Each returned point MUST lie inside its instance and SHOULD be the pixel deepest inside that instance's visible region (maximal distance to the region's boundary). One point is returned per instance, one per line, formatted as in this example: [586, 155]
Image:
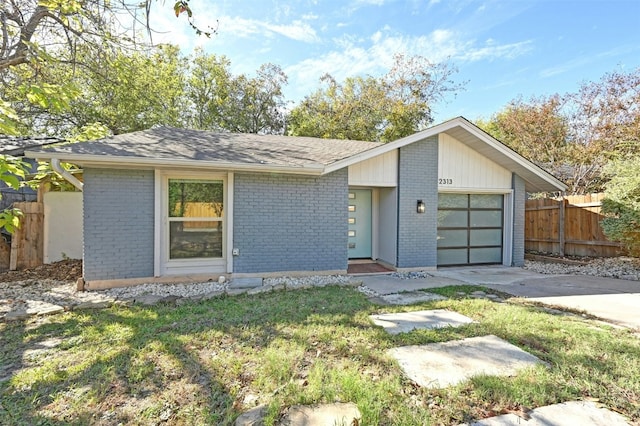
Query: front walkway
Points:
[612, 300]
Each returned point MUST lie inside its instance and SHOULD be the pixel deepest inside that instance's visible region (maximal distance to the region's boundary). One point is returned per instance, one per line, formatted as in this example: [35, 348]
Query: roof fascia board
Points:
[115, 162]
[390, 146]
[503, 149]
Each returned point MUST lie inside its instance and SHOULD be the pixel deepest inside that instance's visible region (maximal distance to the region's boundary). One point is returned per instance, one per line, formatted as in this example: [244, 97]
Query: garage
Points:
[470, 229]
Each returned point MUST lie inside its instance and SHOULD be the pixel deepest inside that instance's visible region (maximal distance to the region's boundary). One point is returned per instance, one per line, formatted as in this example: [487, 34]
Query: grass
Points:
[207, 362]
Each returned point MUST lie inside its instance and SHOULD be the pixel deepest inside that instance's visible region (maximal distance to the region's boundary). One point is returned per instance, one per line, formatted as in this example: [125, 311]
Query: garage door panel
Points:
[485, 201]
[453, 219]
[485, 255]
[482, 218]
[452, 256]
[452, 238]
[453, 201]
[485, 237]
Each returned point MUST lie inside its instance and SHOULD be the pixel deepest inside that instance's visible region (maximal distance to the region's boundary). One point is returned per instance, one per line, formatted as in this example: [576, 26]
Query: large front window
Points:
[196, 211]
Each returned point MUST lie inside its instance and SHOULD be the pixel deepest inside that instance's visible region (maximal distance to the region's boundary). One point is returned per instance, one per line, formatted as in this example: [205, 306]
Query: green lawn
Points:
[207, 362]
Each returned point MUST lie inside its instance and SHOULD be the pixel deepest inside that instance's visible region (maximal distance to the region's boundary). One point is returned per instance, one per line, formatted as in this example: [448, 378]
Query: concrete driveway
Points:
[613, 300]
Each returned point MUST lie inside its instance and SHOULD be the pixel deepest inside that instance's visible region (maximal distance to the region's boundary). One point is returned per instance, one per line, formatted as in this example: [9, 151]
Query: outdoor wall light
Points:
[421, 206]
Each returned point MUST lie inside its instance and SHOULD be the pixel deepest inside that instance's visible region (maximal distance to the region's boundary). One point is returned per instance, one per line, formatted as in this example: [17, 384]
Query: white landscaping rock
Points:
[626, 268]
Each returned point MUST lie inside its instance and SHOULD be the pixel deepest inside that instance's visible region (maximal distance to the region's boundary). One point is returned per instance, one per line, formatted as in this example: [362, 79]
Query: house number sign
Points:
[445, 181]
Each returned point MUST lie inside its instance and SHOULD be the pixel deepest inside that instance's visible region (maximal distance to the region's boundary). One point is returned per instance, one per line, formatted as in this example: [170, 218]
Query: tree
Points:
[127, 92]
[621, 206]
[12, 170]
[40, 33]
[538, 130]
[352, 110]
[574, 135]
[219, 100]
[31, 29]
[535, 129]
[605, 114]
[376, 109]
[207, 90]
[255, 105]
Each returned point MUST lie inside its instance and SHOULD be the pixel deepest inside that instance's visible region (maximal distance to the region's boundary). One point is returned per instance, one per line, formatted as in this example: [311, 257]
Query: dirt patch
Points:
[555, 258]
[65, 270]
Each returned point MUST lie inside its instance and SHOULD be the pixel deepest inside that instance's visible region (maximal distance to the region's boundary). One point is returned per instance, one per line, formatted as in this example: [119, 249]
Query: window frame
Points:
[200, 265]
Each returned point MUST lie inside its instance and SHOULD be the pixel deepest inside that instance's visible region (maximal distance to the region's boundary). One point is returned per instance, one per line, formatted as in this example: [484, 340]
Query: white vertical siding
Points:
[460, 167]
[378, 171]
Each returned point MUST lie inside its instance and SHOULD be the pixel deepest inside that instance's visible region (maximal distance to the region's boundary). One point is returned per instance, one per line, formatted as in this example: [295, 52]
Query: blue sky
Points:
[502, 48]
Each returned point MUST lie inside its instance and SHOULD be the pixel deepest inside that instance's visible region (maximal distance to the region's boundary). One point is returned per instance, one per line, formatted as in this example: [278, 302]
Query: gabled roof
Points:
[536, 179]
[173, 147]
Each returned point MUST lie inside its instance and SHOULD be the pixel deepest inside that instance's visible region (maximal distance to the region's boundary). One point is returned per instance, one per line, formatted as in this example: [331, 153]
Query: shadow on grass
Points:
[140, 365]
[199, 363]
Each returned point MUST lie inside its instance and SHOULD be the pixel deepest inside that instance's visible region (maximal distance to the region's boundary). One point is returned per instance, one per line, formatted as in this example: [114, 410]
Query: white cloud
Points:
[490, 51]
[351, 55]
[243, 28]
[297, 30]
[369, 2]
[583, 60]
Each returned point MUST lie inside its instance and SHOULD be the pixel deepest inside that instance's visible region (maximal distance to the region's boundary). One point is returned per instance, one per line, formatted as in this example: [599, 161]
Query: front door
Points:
[359, 223]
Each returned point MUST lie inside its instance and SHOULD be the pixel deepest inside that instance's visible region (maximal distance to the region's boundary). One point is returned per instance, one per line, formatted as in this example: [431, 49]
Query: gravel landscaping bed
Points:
[626, 268]
[54, 285]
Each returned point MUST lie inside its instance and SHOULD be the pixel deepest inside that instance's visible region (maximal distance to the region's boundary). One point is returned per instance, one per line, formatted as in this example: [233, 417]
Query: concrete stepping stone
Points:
[410, 297]
[253, 417]
[583, 413]
[404, 322]
[33, 307]
[337, 414]
[245, 283]
[438, 365]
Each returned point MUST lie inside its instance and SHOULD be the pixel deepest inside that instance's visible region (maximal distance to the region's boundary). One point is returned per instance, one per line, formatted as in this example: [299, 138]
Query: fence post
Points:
[561, 224]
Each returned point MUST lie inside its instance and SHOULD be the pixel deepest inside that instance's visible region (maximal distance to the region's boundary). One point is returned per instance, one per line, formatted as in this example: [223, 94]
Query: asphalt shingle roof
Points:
[17, 145]
[185, 144]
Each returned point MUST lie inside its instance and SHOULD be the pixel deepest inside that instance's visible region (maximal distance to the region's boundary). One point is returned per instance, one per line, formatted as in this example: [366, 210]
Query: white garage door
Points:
[470, 228]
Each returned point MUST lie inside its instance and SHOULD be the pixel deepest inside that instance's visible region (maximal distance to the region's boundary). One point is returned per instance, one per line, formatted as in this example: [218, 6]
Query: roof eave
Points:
[152, 163]
[383, 149]
[550, 183]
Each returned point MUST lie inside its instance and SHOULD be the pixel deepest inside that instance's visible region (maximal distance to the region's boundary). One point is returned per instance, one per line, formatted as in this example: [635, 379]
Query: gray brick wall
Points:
[519, 197]
[118, 223]
[290, 223]
[418, 180]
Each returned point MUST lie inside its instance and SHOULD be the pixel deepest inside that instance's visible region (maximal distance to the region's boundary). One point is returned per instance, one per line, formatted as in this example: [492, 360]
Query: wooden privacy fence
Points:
[568, 226]
[27, 243]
